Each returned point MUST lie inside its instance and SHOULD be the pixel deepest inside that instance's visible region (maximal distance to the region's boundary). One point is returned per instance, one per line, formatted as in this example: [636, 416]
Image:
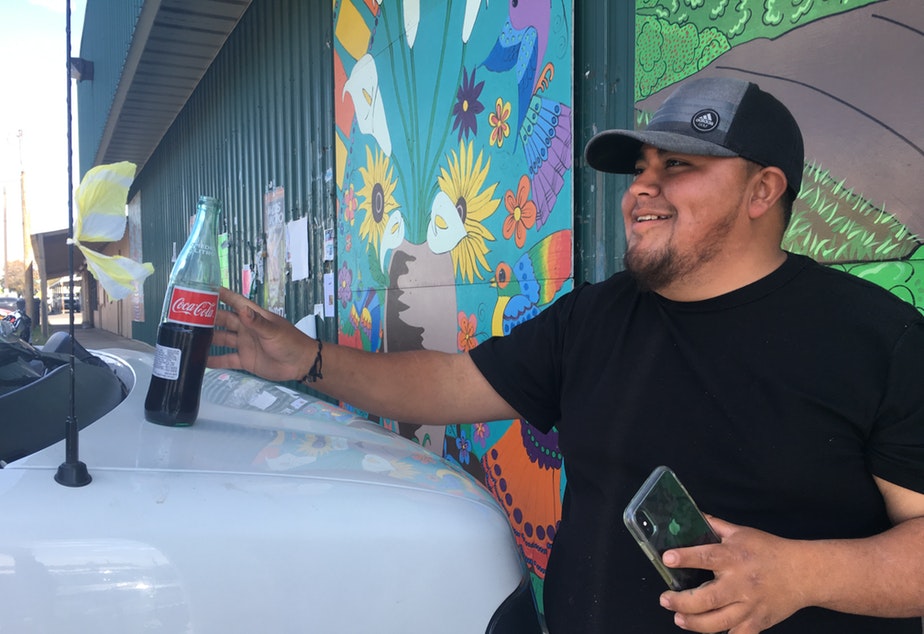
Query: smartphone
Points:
[662, 516]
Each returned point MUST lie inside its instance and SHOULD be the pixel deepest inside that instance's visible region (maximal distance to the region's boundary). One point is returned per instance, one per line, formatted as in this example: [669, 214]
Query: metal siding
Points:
[107, 35]
[263, 112]
[604, 63]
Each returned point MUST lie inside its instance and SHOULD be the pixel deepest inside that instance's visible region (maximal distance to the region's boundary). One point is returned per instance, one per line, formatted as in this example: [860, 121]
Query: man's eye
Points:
[672, 162]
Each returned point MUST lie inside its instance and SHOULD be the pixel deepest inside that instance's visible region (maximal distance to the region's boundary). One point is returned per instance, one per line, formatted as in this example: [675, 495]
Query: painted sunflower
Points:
[464, 184]
[378, 197]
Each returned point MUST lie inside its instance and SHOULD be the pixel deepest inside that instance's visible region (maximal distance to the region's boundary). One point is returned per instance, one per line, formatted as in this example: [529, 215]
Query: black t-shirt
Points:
[773, 404]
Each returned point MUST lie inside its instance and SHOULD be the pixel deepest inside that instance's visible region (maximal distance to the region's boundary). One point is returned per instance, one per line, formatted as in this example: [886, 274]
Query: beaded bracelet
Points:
[315, 372]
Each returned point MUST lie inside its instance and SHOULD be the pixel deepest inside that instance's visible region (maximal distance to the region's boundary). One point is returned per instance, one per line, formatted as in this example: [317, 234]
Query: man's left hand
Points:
[756, 582]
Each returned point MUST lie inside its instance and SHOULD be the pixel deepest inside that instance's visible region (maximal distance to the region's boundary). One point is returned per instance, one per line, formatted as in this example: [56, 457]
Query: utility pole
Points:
[28, 284]
[6, 243]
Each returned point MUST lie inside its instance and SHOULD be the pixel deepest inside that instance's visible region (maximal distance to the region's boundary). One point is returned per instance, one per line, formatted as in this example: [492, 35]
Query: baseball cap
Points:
[710, 116]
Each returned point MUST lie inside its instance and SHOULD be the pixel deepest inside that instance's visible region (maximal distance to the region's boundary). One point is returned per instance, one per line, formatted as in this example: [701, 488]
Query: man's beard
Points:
[653, 271]
[657, 270]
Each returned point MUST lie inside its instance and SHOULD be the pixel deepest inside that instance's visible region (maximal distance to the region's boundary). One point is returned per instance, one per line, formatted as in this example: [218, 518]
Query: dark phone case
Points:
[661, 516]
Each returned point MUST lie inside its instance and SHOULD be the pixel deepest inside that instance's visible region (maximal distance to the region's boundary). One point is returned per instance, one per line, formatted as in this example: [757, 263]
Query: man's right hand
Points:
[263, 343]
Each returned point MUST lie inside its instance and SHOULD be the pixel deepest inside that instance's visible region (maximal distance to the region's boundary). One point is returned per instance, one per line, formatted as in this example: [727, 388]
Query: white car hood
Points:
[273, 512]
[249, 426]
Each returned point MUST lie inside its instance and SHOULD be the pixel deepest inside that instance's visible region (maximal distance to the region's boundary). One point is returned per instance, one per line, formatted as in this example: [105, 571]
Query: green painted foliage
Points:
[903, 278]
[677, 38]
[832, 224]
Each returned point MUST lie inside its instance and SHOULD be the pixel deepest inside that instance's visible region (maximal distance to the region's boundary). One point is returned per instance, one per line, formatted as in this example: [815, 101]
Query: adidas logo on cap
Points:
[705, 120]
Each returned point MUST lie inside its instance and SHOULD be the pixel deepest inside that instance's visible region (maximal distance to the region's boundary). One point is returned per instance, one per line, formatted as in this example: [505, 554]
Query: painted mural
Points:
[454, 174]
[849, 71]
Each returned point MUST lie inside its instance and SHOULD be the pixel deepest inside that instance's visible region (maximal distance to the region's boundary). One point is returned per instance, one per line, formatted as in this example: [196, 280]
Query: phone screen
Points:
[662, 516]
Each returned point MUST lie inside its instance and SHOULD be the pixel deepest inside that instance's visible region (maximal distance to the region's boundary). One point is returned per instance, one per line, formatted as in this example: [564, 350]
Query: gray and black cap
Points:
[712, 116]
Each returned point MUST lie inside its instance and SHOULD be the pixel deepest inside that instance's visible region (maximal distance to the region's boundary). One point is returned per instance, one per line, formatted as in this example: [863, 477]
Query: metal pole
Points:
[6, 243]
[71, 472]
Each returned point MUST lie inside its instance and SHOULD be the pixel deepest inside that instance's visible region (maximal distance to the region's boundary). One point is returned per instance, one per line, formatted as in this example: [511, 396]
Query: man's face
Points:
[681, 212]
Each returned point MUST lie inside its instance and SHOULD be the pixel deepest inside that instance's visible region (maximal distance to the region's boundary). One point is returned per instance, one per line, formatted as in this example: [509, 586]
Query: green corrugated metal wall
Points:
[263, 113]
[604, 97]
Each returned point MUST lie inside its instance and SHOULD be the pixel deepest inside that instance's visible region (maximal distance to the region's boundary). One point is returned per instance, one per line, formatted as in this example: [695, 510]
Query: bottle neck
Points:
[204, 226]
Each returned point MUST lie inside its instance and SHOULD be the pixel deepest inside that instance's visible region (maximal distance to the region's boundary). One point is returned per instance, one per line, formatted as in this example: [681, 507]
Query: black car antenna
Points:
[72, 472]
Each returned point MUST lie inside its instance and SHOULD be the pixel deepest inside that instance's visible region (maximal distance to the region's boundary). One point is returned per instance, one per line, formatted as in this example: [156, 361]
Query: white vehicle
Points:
[275, 512]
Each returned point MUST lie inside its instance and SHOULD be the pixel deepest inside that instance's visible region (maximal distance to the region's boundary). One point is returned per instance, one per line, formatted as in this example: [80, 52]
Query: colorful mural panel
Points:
[454, 174]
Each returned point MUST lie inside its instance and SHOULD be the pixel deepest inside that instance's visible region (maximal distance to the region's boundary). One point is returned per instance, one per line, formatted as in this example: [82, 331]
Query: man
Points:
[785, 395]
[20, 321]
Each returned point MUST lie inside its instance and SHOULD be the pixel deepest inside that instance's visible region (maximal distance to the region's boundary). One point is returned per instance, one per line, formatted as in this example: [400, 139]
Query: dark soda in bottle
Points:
[187, 323]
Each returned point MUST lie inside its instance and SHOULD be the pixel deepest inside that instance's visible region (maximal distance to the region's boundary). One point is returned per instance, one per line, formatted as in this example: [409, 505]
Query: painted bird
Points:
[543, 125]
[532, 282]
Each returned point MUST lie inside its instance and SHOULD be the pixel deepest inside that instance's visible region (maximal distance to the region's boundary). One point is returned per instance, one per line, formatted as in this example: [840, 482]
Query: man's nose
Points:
[646, 182]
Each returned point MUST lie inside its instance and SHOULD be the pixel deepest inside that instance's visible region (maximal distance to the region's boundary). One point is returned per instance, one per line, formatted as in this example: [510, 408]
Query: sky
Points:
[33, 54]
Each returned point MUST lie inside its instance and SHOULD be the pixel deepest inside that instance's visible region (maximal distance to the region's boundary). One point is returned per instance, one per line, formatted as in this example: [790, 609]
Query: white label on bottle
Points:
[167, 362]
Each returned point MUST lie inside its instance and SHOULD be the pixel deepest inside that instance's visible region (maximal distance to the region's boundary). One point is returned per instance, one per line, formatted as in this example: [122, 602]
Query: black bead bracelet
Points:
[315, 372]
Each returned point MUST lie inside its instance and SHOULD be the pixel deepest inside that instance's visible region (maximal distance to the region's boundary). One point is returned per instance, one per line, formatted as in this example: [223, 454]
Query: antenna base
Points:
[73, 474]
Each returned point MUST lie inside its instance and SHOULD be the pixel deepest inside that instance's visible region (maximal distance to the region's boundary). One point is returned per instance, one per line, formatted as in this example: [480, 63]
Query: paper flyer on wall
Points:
[297, 242]
[274, 224]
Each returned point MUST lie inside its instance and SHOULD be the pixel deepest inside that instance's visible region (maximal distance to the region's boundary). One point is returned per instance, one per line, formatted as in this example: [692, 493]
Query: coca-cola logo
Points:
[196, 308]
[202, 310]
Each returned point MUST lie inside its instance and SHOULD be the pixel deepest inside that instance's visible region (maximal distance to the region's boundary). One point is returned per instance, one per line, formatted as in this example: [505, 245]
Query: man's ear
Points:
[769, 185]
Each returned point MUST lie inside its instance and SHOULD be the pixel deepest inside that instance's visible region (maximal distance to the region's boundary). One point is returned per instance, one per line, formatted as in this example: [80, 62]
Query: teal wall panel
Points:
[107, 36]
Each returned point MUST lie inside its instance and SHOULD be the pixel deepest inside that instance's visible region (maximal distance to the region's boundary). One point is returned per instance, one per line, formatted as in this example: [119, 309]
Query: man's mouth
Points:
[650, 217]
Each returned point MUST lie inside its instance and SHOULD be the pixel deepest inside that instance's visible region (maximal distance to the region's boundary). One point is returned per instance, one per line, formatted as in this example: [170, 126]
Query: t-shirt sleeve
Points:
[897, 443]
[525, 366]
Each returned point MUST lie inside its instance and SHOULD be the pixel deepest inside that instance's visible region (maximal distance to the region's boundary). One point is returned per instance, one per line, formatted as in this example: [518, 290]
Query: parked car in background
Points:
[66, 302]
[7, 306]
[274, 512]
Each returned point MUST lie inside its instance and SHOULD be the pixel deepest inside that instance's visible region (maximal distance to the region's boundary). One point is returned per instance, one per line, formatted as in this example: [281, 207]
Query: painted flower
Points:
[345, 280]
[521, 212]
[467, 327]
[481, 431]
[464, 446]
[467, 106]
[464, 183]
[500, 129]
[404, 471]
[319, 445]
[392, 236]
[378, 197]
[471, 12]
[363, 86]
[350, 204]
[411, 20]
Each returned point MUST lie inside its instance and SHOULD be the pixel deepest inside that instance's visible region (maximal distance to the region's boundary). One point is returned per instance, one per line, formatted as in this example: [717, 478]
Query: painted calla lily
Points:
[363, 86]
[445, 229]
[392, 236]
[471, 12]
[411, 20]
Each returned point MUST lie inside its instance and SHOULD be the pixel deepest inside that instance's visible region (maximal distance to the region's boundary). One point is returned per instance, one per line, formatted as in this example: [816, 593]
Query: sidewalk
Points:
[95, 338]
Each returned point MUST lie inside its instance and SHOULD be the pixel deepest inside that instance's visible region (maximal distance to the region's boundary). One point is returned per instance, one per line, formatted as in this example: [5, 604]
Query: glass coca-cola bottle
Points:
[187, 323]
